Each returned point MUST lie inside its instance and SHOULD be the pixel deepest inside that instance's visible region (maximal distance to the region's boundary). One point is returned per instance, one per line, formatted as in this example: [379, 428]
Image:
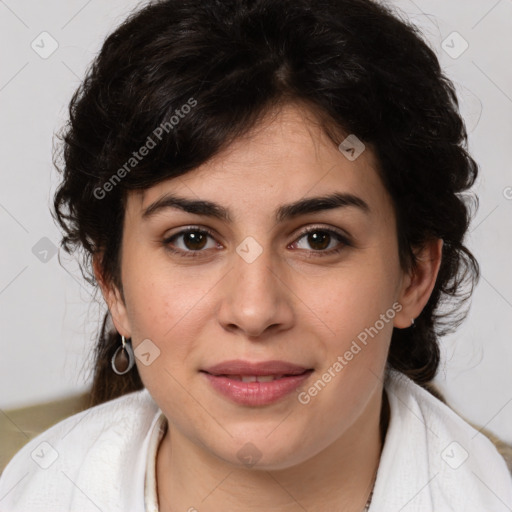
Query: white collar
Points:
[150, 484]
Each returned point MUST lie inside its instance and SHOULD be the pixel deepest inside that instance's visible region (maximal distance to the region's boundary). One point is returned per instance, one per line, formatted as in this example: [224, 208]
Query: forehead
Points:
[286, 156]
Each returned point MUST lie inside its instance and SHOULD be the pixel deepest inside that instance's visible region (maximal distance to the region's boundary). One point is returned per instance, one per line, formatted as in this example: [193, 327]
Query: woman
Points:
[268, 194]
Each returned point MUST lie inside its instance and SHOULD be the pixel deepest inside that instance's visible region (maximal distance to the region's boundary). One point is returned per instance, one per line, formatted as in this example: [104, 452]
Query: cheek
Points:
[159, 297]
[349, 300]
[169, 308]
[356, 309]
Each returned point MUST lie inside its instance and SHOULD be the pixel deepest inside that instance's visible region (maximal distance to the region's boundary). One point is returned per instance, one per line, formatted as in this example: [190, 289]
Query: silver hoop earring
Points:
[123, 359]
[412, 322]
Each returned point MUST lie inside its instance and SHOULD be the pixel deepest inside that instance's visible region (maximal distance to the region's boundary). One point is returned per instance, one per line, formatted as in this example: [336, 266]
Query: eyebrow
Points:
[283, 213]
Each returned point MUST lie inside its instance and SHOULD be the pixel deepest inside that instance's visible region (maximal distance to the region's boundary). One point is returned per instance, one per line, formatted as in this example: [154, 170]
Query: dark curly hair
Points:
[358, 66]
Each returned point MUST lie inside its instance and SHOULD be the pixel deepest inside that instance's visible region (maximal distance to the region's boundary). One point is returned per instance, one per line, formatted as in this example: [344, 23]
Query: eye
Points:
[323, 241]
[191, 241]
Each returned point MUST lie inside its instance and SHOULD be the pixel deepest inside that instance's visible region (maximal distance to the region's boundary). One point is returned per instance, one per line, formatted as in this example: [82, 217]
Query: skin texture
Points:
[291, 303]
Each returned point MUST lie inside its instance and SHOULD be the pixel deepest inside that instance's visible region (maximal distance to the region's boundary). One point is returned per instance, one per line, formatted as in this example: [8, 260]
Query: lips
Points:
[256, 384]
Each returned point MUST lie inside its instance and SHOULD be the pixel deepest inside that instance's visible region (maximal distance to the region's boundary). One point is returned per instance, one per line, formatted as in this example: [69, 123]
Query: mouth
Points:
[256, 384]
[238, 367]
[255, 378]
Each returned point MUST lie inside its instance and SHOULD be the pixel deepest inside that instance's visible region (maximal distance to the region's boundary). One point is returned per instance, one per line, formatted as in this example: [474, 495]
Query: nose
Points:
[256, 299]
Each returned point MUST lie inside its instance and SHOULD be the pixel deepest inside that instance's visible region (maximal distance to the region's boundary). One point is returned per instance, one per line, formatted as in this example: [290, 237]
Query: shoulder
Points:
[439, 419]
[441, 423]
[461, 465]
[84, 450]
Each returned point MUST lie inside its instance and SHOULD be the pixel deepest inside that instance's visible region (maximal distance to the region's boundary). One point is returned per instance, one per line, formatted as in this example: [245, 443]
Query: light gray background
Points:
[48, 325]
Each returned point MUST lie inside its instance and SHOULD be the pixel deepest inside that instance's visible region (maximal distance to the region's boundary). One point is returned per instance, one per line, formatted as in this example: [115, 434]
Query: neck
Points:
[339, 477]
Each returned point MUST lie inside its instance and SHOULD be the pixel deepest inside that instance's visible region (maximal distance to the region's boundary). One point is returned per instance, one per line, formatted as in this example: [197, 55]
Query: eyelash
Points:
[345, 242]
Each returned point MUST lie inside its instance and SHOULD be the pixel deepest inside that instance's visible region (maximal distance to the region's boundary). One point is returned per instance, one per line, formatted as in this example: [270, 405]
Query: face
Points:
[307, 295]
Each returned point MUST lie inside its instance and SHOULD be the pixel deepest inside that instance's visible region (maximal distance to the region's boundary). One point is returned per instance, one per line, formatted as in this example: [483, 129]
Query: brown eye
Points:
[319, 240]
[322, 241]
[189, 242]
[194, 240]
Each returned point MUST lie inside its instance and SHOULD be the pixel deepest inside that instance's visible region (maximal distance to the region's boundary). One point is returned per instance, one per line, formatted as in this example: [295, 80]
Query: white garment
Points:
[432, 460]
[150, 484]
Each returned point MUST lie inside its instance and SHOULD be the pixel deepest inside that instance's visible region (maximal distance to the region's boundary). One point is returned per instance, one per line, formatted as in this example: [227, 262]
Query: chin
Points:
[257, 453]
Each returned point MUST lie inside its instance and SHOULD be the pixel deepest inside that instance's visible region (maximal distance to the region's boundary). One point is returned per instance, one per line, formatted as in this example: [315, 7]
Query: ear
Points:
[419, 283]
[113, 298]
